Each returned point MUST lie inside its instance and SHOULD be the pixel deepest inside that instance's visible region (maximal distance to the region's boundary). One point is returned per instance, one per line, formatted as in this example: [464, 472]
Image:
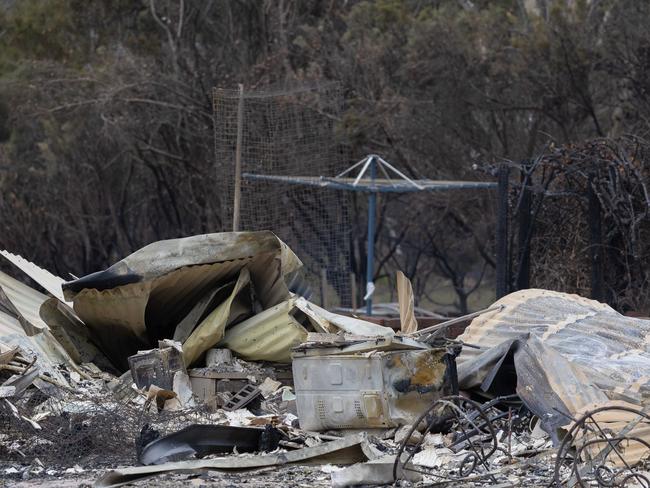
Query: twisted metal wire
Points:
[574, 452]
[472, 420]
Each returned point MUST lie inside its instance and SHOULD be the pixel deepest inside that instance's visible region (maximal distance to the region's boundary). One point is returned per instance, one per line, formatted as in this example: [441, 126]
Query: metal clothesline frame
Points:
[372, 186]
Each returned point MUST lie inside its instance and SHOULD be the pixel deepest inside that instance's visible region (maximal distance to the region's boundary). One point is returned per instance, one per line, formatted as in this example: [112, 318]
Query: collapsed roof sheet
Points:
[143, 297]
[267, 336]
[44, 278]
[162, 257]
[351, 325]
[568, 352]
[22, 326]
[23, 302]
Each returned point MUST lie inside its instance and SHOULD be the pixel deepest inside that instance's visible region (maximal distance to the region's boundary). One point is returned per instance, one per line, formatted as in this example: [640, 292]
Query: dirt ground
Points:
[277, 477]
[287, 476]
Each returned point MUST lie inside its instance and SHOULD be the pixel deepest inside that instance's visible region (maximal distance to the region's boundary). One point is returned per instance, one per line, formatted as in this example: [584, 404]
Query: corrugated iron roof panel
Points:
[568, 352]
[44, 278]
[25, 299]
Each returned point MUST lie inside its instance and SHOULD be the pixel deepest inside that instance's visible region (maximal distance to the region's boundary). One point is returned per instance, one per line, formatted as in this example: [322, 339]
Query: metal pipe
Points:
[372, 211]
[355, 165]
[369, 160]
[455, 320]
[402, 175]
[382, 185]
[502, 255]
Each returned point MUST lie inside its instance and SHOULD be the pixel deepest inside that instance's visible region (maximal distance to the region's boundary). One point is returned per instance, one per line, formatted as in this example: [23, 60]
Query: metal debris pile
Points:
[500, 443]
[201, 354]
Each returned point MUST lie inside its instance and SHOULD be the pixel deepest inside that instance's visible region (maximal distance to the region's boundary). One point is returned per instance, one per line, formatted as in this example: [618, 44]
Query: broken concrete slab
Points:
[213, 386]
[242, 398]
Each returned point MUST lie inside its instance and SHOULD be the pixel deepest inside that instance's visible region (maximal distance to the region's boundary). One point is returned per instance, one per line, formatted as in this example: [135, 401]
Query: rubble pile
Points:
[194, 355]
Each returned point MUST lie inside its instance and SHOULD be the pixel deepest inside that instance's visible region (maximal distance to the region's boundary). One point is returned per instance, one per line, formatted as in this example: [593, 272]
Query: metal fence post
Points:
[502, 272]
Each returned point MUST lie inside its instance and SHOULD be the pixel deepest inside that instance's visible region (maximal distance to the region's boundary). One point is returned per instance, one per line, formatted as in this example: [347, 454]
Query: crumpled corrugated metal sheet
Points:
[350, 449]
[568, 352]
[212, 329]
[9, 325]
[270, 335]
[162, 257]
[44, 346]
[39, 313]
[44, 278]
[23, 302]
[332, 322]
[21, 325]
[267, 336]
[143, 297]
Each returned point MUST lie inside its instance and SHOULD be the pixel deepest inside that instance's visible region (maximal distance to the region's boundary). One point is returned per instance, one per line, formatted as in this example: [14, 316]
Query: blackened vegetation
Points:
[581, 217]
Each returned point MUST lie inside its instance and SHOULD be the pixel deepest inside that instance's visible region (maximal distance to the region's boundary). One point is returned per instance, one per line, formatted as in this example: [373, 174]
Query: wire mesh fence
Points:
[289, 131]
